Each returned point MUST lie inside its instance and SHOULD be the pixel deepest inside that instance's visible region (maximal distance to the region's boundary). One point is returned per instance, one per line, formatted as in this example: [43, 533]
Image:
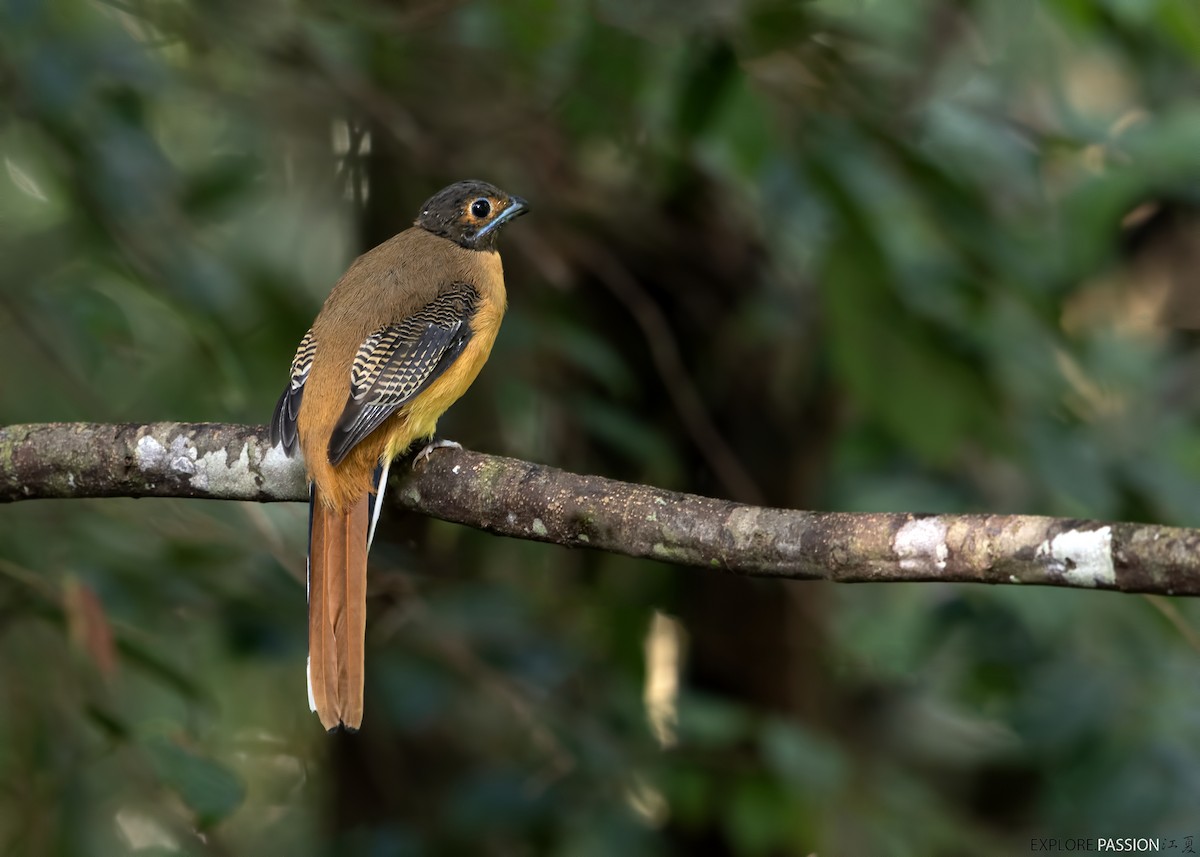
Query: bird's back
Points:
[387, 285]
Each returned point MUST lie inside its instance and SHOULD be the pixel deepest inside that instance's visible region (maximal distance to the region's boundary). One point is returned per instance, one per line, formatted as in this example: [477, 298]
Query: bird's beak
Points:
[516, 207]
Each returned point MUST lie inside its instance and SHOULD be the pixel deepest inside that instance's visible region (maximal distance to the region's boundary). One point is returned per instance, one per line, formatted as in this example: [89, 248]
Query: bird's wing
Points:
[401, 359]
[283, 422]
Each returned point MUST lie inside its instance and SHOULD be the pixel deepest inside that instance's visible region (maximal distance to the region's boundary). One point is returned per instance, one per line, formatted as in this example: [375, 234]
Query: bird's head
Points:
[470, 213]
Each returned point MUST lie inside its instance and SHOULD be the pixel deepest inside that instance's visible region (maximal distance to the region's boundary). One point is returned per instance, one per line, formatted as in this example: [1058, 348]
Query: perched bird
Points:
[401, 336]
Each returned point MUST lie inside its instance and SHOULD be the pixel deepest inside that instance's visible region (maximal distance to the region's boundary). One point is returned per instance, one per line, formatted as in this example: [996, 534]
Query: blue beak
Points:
[516, 207]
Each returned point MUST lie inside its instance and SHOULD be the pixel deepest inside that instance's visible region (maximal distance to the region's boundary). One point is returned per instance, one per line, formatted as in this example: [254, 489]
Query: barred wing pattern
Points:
[401, 359]
[283, 422]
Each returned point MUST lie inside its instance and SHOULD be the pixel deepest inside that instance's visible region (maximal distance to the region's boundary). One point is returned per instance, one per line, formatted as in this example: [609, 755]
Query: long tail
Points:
[337, 610]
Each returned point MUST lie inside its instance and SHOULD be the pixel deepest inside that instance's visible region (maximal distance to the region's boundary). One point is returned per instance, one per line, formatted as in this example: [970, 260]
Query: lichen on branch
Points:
[524, 500]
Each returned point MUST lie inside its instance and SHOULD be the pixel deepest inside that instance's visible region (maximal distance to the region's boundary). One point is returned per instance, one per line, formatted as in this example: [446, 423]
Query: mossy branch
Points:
[524, 500]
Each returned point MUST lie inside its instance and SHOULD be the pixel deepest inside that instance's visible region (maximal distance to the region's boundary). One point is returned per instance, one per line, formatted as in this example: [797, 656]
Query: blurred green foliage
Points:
[851, 254]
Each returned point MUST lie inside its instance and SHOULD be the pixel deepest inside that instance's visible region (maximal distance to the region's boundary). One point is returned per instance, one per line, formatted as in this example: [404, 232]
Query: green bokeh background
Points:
[936, 255]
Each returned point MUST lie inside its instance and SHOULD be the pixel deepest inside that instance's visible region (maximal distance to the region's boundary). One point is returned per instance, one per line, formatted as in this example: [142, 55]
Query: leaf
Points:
[801, 759]
[760, 818]
[906, 373]
[88, 626]
[208, 788]
[708, 721]
[24, 181]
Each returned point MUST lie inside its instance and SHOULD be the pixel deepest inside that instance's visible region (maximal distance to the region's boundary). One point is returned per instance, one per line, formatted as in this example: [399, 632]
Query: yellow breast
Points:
[419, 418]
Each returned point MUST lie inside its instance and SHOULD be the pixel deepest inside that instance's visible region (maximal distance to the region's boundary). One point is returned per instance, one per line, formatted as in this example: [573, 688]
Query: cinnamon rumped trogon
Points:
[402, 335]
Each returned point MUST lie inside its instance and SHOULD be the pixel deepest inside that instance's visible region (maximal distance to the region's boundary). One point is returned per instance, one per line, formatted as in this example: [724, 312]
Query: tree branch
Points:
[530, 501]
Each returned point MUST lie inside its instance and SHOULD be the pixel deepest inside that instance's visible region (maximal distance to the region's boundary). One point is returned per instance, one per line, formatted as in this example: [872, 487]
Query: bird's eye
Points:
[481, 208]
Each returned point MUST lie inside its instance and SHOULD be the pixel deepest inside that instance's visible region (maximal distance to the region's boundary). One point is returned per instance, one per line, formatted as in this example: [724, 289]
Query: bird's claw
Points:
[431, 446]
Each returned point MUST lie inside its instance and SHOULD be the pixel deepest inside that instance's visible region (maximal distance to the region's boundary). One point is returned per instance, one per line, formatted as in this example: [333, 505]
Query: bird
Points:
[402, 335]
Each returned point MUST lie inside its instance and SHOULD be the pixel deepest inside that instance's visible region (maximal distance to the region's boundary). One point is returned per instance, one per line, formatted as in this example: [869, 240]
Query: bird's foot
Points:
[438, 443]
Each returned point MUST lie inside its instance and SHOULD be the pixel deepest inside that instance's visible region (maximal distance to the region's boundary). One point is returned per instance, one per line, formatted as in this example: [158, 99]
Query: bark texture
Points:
[530, 501]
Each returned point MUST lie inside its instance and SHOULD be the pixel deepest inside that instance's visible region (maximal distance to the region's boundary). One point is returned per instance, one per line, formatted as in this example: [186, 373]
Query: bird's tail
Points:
[337, 609]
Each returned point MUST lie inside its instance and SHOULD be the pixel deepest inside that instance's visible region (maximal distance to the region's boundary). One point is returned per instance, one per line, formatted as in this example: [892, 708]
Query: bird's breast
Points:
[419, 417]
